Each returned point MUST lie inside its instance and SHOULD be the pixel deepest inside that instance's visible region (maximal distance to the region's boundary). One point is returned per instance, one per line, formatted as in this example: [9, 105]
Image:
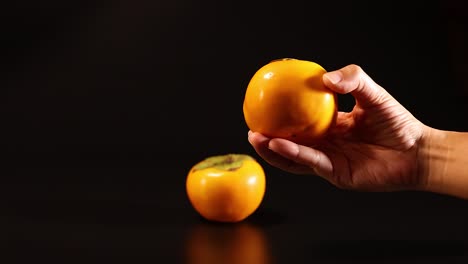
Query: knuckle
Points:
[355, 77]
[313, 159]
[317, 159]
[356, 69]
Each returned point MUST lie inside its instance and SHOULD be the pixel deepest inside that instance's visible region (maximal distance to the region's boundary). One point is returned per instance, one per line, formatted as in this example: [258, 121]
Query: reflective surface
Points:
[210, 243]
[126, 213]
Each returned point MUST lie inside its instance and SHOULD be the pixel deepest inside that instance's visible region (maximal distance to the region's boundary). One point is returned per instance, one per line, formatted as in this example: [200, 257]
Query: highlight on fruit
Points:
[286, 98]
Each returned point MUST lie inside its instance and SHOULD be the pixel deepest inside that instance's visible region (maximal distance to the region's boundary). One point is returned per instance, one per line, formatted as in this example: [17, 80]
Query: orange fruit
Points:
[287, 99]
[226, 188]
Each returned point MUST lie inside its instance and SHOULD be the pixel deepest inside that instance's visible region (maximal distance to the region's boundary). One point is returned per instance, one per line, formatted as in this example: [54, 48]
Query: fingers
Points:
[352, 79]
[261, 145]
[290, 156]
[300, 154]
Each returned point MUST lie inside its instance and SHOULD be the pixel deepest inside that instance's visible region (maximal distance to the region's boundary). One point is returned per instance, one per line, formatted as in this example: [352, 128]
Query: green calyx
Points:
[228, 162]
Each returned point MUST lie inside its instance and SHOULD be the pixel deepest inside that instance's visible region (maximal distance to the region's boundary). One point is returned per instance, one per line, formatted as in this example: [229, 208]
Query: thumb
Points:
[352, 79]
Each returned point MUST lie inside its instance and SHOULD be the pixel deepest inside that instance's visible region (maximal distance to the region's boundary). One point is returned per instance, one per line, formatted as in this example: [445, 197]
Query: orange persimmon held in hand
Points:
[287, 99]
[226, 188]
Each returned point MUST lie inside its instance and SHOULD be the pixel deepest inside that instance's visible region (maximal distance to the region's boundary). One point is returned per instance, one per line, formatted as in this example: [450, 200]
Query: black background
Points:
[106, 105]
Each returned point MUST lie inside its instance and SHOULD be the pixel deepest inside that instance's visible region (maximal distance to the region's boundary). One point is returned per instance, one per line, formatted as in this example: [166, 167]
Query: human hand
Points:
[372, 148]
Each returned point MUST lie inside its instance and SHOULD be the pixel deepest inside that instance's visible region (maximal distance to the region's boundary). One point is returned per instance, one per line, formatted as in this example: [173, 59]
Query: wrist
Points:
[443, 162]
[432, 159]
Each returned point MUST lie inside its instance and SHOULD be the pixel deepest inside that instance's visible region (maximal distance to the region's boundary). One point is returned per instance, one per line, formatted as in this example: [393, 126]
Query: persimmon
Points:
[287, 99]
[226, 188]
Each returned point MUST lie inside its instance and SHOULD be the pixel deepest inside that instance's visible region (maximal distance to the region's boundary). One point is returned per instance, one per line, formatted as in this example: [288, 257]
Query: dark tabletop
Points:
[140, 211]
[107, 105]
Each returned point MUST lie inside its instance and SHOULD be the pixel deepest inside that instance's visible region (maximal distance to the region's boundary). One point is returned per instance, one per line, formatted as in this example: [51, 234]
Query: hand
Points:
[372, 148]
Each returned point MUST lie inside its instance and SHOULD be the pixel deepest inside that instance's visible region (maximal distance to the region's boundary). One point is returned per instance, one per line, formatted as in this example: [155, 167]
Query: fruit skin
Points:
[229, 192]
[287, 99]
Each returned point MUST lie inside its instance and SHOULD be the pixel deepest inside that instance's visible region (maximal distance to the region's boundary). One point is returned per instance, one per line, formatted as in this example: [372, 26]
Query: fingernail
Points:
[249, 133]
[270, 143]
[334, 77]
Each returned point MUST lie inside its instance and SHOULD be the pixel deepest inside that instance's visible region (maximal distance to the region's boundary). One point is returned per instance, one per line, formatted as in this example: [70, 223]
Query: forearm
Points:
[443, 162]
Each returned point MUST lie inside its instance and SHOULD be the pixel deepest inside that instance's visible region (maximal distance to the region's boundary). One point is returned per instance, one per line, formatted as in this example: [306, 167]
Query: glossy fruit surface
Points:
[287, 99]
[226, 188]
